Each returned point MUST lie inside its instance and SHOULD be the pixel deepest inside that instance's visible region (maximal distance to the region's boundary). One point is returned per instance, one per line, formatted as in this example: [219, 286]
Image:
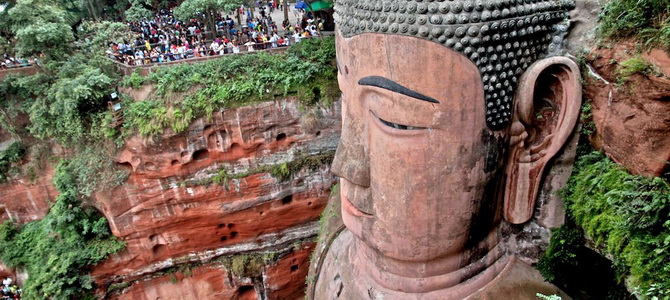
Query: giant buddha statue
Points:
[451, 111]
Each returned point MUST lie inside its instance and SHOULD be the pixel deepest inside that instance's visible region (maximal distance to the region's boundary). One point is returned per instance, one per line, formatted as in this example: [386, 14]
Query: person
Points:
[147, 57]
[154, 56]
[438, 155]
[166, 45]
[139, 57]
[181, 50]
[230, 48]
[221, 50]
[250, 45]
[274, 39]
[296, 36]
[214, 47]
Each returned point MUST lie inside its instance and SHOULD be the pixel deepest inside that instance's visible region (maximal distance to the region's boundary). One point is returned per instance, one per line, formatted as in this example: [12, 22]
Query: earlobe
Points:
[548, 100]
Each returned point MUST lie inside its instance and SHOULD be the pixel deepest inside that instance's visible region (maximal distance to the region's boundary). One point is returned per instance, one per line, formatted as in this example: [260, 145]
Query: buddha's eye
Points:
[399, 126]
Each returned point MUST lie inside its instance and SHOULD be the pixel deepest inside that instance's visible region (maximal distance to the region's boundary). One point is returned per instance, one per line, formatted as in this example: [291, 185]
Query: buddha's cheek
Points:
[418, 193]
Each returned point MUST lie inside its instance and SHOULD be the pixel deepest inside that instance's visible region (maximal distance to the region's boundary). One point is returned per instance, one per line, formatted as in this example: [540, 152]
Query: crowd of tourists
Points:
[165, 38]
[9, 62]
[10, 290]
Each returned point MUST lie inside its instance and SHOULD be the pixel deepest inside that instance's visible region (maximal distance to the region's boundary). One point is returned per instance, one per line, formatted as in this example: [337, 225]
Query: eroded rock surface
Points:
[249, 182]
[632, 115]
[213, 192]
[24, 201]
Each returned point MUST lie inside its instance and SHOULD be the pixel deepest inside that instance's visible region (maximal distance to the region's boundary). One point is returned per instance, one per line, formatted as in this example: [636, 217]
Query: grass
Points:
[633, 65]
[283, 171]
[249, 264]
[645, 20]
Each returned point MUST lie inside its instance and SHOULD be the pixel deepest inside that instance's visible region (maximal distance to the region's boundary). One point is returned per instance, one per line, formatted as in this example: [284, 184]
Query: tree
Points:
[205, 10]
[138, 10]
[41, 27]
[61, 99]
[58, 250]
[96, 36]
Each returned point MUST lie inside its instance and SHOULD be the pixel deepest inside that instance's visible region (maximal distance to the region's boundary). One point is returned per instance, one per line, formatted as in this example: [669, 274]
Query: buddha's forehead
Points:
[419, 64]
[500, 37]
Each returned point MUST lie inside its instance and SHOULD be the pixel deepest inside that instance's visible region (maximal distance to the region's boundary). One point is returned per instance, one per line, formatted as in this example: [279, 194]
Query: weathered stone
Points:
[24, 201]
[583, 24]
[285, 279]
[631, 116]
[423, 188]
[169, 211]
[171, 214]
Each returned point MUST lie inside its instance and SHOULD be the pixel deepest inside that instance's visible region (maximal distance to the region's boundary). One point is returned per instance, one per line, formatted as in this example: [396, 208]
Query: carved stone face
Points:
[418, 165]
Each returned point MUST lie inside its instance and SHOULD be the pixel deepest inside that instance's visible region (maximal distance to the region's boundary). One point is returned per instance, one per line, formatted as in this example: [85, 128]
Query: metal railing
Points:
[170, 57]
[146, 68]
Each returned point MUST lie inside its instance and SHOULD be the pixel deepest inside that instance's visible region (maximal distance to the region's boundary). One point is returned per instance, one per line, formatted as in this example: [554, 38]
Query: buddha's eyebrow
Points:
[388, 84]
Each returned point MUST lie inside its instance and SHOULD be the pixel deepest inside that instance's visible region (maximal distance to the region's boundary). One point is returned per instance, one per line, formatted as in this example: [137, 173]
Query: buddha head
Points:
[451, 112]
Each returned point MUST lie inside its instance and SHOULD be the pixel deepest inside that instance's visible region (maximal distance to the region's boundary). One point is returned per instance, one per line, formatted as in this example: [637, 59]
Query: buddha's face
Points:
[418, 165]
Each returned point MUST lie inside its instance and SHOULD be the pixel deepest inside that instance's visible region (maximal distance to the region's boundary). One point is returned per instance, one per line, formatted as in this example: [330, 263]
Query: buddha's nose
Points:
[351, 160]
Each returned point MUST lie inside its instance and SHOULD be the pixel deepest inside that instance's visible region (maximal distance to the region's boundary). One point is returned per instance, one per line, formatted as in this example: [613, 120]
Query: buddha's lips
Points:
[351, 209]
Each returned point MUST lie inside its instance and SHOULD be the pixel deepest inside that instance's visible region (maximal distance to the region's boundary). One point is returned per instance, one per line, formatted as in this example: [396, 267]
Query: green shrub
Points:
[57, 251]
[282, 171]
[628, 216]
[117, 286]
[561, 255]
[13, 154]
[632, 66]
[135, 80]
[249, 264]
[221, 177]
[586, 119]
[645, 19]
[549, 297]
[187, 91]
[92, 169]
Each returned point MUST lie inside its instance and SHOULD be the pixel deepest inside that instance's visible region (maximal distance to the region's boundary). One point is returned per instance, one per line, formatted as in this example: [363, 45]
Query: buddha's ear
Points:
[548, 100]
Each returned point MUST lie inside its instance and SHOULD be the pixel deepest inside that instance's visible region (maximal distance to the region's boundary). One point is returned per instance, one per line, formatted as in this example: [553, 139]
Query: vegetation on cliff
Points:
[282, 171]
[626, 217]
[58, 250]
[65, 104]
[66, 99]
[647, 20]
[13, 154]
[187, 91]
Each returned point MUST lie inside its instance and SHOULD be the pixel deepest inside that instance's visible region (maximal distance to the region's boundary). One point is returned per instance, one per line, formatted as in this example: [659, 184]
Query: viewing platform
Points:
[145, 69]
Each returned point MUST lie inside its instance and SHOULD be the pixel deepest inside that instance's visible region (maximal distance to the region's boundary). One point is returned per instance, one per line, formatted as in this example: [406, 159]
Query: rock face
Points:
[632, 116]
[227, 209]
[285, 280]
[24, 201]
[244, 183]
[583, 24]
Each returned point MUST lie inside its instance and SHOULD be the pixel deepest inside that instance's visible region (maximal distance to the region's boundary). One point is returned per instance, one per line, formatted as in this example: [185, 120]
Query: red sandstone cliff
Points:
[632, 115]
[24, 201]
[201, 214]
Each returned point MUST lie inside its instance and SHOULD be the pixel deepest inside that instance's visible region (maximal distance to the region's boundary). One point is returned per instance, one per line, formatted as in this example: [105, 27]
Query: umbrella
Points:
[301, 5]
[320, 5]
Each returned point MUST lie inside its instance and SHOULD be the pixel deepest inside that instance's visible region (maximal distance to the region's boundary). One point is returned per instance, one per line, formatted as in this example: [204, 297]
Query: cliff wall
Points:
[227, 209]
[629, 94]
